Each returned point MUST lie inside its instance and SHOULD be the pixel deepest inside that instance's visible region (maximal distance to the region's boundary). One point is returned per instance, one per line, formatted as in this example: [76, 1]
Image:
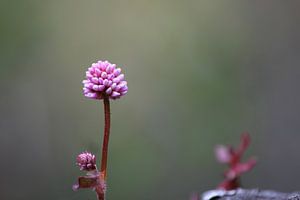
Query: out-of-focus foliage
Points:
[199, 73]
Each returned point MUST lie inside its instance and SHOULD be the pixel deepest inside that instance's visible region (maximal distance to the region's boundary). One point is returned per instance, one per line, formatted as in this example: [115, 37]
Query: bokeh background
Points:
[199, 73]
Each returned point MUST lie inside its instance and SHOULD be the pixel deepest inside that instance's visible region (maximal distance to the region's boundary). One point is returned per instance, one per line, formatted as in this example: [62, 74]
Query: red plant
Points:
[232, 157]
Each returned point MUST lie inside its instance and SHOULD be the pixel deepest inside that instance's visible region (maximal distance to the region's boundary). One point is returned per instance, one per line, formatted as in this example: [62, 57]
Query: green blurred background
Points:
[199, 74]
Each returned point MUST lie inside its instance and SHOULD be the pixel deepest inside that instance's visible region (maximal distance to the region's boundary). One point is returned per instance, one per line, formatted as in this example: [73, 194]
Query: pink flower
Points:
[86, 161]
[232, 157]
[104, 79]
[93, 180]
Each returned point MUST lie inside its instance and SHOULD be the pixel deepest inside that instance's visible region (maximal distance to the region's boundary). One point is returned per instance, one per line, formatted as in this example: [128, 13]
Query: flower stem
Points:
[100, 194]
[105, 138]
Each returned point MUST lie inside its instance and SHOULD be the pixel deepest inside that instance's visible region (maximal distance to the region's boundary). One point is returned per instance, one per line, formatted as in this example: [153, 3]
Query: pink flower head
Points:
[86, 161]
[232, 157]
[104, 79]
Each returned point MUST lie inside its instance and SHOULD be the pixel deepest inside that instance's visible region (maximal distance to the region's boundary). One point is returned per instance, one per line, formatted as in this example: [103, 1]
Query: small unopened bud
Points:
[86, 161]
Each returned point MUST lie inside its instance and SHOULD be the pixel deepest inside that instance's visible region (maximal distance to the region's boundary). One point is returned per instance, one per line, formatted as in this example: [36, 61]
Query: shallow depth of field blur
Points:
[199, 74]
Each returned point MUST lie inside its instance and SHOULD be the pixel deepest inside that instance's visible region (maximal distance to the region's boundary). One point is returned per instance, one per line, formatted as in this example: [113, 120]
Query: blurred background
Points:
[199, 74]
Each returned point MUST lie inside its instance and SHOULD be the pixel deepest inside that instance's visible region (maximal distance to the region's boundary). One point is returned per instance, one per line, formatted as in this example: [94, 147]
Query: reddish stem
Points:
[100, 194]
[106, 137]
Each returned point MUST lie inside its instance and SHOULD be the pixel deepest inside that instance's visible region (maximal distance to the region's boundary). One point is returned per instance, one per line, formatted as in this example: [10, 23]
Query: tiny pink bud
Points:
[95, 80]
[105, 82]
[108, 91]
[115, 94]
[113, 86]
[223, 154]
[86, 161]
[95, 87]
[117, 71]
[101, 87]
[104, 75]
[123, 92]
